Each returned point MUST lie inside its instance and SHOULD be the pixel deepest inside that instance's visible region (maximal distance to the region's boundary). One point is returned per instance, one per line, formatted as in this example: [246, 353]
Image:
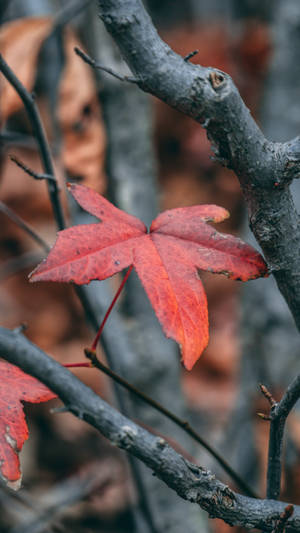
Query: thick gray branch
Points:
[191, 482]
[265, 169]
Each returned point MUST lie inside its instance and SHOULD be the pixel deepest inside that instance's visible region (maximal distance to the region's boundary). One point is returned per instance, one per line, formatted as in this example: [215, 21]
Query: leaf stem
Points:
[94, 345]
[39, 132]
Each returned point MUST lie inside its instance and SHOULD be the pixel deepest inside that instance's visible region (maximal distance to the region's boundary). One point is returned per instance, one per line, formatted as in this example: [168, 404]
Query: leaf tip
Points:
[189, 359]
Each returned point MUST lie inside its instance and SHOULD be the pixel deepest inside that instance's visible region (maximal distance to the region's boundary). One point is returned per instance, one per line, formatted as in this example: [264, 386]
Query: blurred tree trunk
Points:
[153, 363]
[257, 9]
[30, 8]
[169, 13]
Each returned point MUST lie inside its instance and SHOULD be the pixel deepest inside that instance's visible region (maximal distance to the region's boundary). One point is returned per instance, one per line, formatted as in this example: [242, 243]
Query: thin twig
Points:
[267, 395]
[183, 424]
[21, 328]
[279, 413]
[29, 171]
[24, 226]
[17, 139]
[263, 416]
[282, 522]
[87, 59]
[38, 128]
[190, 55]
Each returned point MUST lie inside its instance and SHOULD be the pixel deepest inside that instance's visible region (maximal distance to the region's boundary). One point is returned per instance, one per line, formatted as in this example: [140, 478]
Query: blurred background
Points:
[145, 157]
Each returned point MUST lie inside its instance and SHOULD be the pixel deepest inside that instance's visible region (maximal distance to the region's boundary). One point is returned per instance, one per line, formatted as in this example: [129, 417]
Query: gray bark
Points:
[270, 339]
[191, 482]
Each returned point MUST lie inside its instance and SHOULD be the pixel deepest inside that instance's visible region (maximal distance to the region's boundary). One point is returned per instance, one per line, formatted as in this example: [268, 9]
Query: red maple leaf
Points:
[16, 387]
[167, 260]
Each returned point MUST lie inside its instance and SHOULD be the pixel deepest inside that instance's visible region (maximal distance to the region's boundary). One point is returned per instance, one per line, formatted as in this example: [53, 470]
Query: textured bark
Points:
[265, 169]
[191, 482]
[270, 340]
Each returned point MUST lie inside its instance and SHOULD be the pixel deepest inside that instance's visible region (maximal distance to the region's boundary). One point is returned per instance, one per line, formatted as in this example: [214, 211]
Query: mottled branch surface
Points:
[278, 415]
[265, 169]
[191, 482]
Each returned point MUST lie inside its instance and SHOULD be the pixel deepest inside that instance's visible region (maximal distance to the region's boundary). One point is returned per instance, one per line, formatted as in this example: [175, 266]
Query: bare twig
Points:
[39, 132]
[16, 138]
[263, 416]
[282, 522]
[24, 226]
[183, 424]
[267, 395]
[191, 482]
[190, 55]
[29, 171]
[279, 413]
[87, 59]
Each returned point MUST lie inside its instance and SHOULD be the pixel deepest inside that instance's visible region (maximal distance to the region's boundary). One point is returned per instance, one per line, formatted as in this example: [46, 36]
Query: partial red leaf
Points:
[167, 261]
[16, 387]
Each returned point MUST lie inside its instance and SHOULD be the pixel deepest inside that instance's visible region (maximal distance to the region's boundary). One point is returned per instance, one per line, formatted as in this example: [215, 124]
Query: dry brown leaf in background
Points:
[78, 108]
[80, 119]
[83, 150]
[20, 43]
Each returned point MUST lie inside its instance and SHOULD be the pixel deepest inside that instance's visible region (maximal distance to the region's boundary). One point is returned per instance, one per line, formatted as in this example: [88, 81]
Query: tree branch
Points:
[278, 415]
[24, 226]
[39, 132]
[87, 59]
[265, 169]
[183, 424]
[191, 482]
